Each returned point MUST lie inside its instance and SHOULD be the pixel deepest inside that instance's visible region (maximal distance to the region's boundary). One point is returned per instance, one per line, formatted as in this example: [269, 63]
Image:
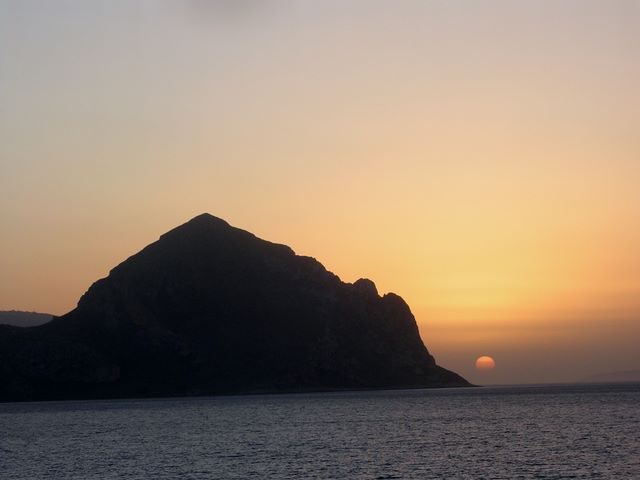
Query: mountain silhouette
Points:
[212, 309]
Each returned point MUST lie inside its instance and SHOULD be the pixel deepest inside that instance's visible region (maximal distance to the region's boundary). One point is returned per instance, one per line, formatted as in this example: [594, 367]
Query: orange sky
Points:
[481, 159]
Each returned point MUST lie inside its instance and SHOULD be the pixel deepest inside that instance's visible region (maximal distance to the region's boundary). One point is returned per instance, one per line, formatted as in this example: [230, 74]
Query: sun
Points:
[485, 363]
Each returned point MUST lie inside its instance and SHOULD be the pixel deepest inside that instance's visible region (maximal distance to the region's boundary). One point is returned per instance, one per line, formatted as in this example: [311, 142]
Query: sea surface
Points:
[549, 432]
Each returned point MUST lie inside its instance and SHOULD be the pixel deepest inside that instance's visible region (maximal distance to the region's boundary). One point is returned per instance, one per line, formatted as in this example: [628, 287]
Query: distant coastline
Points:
[614, 377]
[18, 318]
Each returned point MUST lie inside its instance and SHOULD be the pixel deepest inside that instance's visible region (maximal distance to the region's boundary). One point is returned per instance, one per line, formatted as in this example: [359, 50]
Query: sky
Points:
[481, 158]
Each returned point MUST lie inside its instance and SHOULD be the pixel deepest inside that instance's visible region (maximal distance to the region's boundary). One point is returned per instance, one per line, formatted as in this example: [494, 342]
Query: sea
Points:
[511, 432]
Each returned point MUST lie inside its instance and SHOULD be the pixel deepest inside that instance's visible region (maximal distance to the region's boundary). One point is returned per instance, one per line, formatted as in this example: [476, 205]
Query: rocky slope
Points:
[210, 309]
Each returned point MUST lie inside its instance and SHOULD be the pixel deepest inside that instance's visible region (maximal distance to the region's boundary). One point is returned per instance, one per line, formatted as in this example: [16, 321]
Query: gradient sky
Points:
[479, 158]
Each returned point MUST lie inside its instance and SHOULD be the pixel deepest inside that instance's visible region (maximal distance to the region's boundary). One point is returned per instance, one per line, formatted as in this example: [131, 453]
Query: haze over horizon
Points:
[480, 159]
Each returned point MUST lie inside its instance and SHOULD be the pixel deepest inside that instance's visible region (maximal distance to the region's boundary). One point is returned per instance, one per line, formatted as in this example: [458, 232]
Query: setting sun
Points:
[485, 363]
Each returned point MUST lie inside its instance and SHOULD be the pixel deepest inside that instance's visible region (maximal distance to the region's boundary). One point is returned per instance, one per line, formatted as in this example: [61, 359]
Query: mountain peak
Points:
[205, 222]
[206, 219]
[367, 287]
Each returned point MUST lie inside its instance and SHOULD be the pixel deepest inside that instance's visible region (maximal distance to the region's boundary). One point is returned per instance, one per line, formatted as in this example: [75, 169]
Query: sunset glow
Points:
[480, 162]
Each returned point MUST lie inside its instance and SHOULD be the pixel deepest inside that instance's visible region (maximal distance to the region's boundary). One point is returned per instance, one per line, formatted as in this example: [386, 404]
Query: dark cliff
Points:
[209, 309]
